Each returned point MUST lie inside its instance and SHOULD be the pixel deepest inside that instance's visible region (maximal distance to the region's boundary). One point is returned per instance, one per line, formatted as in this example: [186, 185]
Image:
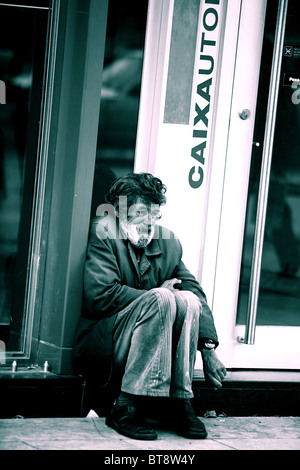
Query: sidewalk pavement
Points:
[91, 433]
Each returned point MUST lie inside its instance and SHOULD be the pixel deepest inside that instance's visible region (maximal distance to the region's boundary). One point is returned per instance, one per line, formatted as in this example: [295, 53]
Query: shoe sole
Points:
[141, 437]
[192, 435]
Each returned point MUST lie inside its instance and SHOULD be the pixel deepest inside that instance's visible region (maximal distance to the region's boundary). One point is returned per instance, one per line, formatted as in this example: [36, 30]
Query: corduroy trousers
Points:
[155, 343]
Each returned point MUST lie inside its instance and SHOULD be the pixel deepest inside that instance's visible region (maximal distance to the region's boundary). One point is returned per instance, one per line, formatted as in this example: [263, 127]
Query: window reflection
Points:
[120, 94]
[22, 49]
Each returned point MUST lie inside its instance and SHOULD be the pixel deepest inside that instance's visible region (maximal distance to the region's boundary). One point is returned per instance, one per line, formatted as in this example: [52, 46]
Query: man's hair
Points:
[145, 186]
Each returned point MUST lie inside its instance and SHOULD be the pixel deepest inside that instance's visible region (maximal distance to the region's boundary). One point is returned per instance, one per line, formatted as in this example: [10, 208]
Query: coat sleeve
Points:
[207, 327]
[104, 295]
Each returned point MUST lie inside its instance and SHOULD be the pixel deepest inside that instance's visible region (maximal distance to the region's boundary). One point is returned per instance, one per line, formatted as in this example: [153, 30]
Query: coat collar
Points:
[141, 266]
[154, 248]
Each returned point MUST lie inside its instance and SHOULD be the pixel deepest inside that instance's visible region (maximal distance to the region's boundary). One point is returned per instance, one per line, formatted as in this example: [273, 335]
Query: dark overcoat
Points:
[113, 278]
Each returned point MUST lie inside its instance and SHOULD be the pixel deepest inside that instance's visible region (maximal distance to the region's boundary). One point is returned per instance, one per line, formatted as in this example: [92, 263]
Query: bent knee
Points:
[190, 299]
[162, 293]
[165, 299]
[190, 296]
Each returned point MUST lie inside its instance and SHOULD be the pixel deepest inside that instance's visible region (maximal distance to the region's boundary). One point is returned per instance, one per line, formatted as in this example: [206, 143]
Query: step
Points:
[43, 394]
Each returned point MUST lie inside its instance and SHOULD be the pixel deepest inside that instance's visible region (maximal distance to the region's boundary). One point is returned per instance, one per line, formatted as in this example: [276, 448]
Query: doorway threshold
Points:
[256, 375]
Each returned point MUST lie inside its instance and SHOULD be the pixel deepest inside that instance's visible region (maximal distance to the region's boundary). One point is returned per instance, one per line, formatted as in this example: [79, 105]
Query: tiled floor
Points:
[91, 433]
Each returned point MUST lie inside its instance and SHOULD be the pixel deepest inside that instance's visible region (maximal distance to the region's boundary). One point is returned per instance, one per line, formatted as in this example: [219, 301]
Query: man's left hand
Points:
[214, 370]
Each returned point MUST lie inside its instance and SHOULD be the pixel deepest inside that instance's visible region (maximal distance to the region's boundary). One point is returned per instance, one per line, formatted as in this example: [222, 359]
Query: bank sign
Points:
[204, 91]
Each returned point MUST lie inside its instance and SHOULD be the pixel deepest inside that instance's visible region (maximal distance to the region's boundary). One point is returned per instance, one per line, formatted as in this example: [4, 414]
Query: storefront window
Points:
[23, 34]
[120, 94]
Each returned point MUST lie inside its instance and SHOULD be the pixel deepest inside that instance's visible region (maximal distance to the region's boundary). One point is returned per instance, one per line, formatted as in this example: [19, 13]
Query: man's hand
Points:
[170, 284]
[214, 370]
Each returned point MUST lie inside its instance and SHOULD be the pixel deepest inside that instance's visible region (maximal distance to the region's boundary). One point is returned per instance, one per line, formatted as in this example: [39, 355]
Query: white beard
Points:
[140, 235]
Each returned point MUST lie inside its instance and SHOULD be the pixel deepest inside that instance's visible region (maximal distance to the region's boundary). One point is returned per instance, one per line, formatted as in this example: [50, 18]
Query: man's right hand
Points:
[170, 284]
[213, 369]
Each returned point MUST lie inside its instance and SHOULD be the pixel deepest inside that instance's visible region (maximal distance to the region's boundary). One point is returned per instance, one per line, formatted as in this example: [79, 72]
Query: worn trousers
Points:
[155, 343]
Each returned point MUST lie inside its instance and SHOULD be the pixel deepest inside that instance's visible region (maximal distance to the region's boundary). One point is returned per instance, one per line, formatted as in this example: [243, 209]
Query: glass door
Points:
[23, 41]
[272, 233]
[259, 278]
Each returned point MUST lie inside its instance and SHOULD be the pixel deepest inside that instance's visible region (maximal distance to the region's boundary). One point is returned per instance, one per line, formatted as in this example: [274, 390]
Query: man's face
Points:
[139, 222]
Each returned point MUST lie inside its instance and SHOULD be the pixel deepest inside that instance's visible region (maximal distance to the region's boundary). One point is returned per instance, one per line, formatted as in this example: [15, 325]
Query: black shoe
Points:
[186, 423]
[125, 420]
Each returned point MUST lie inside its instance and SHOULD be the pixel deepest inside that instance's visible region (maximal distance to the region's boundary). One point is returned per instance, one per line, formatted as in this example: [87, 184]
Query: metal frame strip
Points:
[265, 175]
